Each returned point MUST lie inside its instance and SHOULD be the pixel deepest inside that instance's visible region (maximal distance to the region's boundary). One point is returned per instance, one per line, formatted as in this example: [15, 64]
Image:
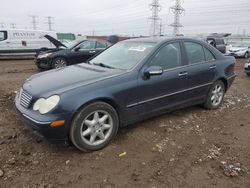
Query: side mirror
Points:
[153, 71]
[77, 49]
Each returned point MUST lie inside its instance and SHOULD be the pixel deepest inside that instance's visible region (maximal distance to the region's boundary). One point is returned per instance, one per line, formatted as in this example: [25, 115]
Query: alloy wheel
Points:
[59, 63]
[217, 95]
[96, 128]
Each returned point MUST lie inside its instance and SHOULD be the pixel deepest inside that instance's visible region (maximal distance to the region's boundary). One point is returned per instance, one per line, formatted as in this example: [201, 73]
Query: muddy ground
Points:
[189, 148]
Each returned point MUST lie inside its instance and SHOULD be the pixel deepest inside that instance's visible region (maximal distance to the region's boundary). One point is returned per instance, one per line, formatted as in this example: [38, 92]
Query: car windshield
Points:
[240, 45]
[123, 55]
[71, 44]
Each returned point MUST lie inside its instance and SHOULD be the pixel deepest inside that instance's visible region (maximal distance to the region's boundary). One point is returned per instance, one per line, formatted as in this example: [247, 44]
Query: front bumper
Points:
[44, 63]
[237, 54]
[40, 124]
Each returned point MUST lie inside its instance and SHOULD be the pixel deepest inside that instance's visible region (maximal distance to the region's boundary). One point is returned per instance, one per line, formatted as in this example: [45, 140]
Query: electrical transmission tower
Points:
[177, 9]
[34, 21]
[49, 22]
[156, 8]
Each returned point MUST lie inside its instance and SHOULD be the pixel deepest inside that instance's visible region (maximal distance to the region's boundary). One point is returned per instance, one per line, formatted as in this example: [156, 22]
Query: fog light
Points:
[57, 123]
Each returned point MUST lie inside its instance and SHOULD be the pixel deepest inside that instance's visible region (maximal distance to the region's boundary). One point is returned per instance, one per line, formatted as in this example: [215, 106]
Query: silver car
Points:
[239, 50]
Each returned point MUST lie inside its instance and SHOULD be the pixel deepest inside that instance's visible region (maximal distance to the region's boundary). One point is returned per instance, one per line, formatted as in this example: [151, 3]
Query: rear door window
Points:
[209, 55]
[195, 52]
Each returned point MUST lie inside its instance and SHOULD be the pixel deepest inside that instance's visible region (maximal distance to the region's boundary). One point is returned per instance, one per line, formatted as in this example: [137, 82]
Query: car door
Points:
[165, 91]
[83, 52]
[201, 69]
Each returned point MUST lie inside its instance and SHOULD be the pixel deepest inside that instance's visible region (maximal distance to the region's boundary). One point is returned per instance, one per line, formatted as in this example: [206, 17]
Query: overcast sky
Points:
[127, 17]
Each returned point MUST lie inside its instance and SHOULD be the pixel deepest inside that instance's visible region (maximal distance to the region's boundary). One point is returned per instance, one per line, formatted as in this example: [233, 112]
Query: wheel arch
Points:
[107, 100]
[224, 80]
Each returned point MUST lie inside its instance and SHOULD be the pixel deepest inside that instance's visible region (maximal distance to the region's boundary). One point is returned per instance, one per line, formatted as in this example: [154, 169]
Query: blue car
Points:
[133, 80]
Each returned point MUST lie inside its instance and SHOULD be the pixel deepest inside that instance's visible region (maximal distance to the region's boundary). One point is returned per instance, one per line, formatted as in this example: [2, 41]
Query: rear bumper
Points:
[40, 124]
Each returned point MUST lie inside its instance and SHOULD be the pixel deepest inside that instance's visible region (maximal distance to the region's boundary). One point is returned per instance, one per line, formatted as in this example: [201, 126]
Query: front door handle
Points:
[92, 52]
[182, 74]
[212, 67]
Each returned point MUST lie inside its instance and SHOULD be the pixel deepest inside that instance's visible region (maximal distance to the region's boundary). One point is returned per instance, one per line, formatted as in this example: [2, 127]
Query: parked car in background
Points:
[217, 41]
[130, 81]
[247, 67]
[239, 50]
[70, 53]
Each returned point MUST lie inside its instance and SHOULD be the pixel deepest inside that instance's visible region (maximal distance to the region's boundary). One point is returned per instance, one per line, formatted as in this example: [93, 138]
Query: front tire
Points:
[59, 62]
[215, 96]
[94, 127]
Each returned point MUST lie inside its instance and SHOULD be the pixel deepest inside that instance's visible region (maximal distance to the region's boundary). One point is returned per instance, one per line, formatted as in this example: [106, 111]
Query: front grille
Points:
[25, 98]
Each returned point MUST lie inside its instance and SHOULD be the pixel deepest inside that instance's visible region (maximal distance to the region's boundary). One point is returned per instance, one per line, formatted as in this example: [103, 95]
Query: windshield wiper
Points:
[103, 65]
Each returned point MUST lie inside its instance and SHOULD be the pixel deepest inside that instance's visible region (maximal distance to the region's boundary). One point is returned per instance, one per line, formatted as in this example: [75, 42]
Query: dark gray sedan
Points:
[130, 81]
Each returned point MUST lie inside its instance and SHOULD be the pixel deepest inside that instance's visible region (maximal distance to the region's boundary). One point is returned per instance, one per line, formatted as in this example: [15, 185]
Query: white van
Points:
[20, 41]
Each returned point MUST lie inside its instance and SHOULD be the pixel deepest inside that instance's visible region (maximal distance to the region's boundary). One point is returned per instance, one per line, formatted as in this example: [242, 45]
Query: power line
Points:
[50, 23]
[34, 21]
[177, 9]
[156, 8]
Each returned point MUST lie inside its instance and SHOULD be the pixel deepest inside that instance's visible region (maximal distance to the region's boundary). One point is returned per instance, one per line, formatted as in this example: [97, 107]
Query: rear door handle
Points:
[92, 52]
[182, 74]
[212, 67]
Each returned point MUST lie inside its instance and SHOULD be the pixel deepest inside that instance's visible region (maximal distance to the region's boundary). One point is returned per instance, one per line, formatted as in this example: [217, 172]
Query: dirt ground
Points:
[189, 148]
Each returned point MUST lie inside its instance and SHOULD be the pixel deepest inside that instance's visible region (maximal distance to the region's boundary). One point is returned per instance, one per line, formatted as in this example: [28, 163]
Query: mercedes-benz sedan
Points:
[130, 81]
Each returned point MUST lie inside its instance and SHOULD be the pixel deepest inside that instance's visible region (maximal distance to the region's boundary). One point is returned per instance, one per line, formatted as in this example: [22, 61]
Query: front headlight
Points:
[46, 105]
[41, 56]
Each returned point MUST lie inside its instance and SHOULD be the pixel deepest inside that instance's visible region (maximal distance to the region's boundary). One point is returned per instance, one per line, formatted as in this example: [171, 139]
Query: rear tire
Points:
[59, 62]
[94, 127]
[215, 96]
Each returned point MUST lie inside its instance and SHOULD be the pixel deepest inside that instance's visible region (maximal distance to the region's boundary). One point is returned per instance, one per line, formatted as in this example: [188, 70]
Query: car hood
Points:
[57, 43]
[61, 80]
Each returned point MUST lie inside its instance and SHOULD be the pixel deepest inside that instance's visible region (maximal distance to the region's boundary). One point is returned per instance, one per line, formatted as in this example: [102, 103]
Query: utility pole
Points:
[13, 26]
[155, 7]
[50, 23]
[177, 9]
[34, 21]
[161, 29]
